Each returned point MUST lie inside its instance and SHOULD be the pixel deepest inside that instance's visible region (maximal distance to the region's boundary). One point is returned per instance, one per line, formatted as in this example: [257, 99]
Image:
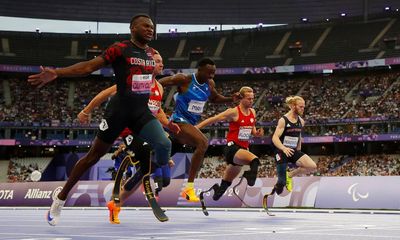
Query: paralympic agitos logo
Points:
[356, 196]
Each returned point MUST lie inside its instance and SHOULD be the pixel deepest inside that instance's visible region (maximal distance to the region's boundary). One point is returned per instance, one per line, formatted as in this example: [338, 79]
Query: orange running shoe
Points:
[189, 194]
[114, 212]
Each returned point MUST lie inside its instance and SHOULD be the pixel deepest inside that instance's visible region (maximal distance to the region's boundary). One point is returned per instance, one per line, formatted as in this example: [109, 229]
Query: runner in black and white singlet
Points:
[287, 142]
[133, 65]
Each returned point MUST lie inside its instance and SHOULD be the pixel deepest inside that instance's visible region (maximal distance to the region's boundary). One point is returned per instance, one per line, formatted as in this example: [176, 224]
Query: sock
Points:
[221, 190]
[225, 184]
[190, 184]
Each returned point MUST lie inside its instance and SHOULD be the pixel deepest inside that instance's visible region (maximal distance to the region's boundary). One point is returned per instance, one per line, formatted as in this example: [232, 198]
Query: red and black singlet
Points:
[240, 130]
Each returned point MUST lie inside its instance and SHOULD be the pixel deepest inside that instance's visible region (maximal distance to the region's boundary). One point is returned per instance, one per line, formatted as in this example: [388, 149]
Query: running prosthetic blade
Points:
[158, 212]
[203, 202]
[118, 178]
[265, 202]
[235, 192]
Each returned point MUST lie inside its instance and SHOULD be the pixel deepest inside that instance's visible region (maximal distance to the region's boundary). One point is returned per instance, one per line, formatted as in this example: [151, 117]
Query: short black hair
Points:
[204, 61]
[138, 16]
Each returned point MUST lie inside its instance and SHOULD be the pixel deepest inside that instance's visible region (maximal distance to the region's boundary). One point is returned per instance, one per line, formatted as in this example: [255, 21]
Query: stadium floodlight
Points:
[304, 19]
[387, 8]
[343, 14]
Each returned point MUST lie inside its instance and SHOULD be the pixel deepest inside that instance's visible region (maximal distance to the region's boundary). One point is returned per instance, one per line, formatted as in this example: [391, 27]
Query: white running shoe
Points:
[53, 215]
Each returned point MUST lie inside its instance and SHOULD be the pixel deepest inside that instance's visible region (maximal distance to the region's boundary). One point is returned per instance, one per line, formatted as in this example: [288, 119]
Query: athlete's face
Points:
[206, 73]
[159, 64]
[248, 99]
[298, 108]
[143, 29]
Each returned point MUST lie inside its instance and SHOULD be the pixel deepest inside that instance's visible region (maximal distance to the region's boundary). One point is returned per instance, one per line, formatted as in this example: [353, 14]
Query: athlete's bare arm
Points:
[256, 132]
[79, 69]
[181, 80]
[277, 142]
[84, 115]
[228, 115]
[216, 97]
[162, 117]
[299, 144]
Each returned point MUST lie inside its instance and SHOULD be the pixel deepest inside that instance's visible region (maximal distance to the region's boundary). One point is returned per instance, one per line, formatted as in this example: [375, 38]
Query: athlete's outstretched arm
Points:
[175, 80]
[228, 115]
[84, 115]
[216, 97]
[79, 69]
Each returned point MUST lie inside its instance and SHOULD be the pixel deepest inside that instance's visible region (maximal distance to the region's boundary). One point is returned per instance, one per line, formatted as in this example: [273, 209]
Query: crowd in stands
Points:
[333, 97]
[377, 97]
[363, 165]
[214, 167]
[50, 104]
[18, 172]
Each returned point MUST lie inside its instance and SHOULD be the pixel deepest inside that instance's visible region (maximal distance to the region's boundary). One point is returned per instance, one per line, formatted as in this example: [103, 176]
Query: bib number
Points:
[290, 142]
[154, 106]
[141, 84]
[244, 133]
[196, 107]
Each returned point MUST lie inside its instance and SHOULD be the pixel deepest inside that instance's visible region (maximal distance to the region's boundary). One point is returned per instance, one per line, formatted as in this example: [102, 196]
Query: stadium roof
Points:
[194, 12]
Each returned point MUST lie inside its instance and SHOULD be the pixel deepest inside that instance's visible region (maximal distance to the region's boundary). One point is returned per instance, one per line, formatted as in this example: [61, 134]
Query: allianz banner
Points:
[372, 192]
[320, 192]
[97, 193]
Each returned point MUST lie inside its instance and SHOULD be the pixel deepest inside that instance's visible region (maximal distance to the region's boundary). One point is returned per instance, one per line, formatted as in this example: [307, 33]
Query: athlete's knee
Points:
[251, 175]
[165, 144]
[309, 164]
[202, 145]
[279, 187]
[313, 166]
[159, 183]
[254, 164]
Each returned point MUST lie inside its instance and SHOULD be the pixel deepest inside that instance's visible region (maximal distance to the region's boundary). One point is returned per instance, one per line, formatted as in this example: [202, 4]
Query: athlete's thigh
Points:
[189, 134]
[243, 157]
[305, 161]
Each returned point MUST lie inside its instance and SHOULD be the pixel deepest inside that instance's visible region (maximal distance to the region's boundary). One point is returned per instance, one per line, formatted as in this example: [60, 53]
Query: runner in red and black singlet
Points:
[133, 66]
[240, 130]
[242, 123]
[287, 143]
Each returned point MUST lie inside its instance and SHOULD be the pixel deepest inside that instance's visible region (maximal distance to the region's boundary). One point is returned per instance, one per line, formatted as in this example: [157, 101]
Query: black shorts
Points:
[143, 150]
[176, 146]
[119, 115]
[229, 152]
[281, 157]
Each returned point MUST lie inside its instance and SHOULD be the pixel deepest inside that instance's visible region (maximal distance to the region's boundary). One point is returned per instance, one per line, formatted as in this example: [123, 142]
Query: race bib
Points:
[196, 107]
[141, 84]
[154, 106]
[290, 142]
[244, 133]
